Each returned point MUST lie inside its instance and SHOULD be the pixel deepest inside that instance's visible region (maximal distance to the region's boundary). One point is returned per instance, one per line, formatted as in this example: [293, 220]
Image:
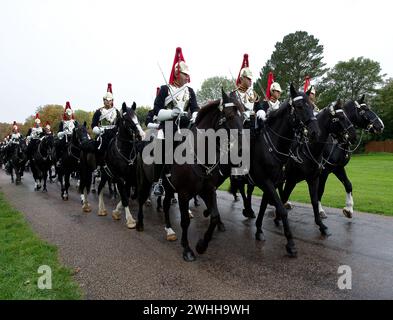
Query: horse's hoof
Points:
[131, 224]
[347, 213]
[44, 190]
[249, 213]
[102, 213]
[221, 227]
[260, 236]
[325, 232]
[322, 215]
[288, 205]
[139, 227]
[206, 213]
[116, 215]
[291, 250]
[188, 255]
[86, 209]
[201, 246]
[171, 237]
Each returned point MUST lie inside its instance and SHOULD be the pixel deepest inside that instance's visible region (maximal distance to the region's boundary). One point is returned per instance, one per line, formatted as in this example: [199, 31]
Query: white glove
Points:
[97, 130]
[153, 125]
[261, 114]
[164, 114]
[193, 117]
[60, 135]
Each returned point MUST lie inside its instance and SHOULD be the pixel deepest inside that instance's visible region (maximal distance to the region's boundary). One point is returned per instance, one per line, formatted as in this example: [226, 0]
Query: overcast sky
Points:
[52, 51]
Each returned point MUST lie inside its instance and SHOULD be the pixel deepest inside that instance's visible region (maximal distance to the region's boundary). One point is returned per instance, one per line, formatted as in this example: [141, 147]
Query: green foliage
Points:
[211, 89]
[297, 56]
[349, 80]
[383, 106]
[141, 113]
[21, 254]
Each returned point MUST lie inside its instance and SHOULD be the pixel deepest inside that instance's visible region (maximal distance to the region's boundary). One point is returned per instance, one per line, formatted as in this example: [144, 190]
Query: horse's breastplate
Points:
[68, 126]
[108, 116]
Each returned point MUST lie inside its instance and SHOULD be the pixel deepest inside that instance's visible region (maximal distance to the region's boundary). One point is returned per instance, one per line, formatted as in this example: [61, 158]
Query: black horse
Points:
[42, 160]
[271, 150]
[337, 154]
[70, 157]
[120, 164]
[189, 180]
[309, 162]
[16, 159]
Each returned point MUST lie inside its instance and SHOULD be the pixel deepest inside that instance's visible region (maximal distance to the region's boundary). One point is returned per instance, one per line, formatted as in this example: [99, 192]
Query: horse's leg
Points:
[66, 184]
[45, 178]
[313, 190]
[342, 176]
[214, 220]
[321, 189]
[170, 234]
[101, 205]
[285, 192]
[93, 183]
[249, 213]
[281, 212]
[262, 209]
[188, 254]
[233, 187]
[159, 203]
[130, 221]
[143, 195]
[60, 178]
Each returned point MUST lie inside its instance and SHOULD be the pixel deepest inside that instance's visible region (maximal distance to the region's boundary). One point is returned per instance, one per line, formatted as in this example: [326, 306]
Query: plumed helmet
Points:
[275, 87]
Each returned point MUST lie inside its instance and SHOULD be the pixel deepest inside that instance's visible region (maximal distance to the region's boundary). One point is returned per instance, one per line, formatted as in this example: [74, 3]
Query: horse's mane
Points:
[212, 108]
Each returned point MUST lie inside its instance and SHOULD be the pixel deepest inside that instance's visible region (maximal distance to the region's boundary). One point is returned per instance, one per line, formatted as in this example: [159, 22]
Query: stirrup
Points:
[158, 189]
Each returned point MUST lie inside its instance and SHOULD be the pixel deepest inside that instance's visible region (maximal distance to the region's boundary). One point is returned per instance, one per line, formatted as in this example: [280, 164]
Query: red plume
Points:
[68, 106]
[37, 116]
[244, 65]
[109, 88]
[14, 124]
[270, 80]
[157, 91]
[47, 123]
[178, 57]
[307, 83]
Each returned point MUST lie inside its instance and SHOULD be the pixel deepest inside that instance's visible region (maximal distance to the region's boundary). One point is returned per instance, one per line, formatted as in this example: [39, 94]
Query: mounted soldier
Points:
[12, 140]
[310, 91]
[64, 134]
[273, 94]
[176, 102]
[245, 93]
[33, 136]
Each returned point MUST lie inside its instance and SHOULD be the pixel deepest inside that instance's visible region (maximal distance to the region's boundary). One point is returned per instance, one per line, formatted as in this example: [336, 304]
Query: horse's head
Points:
[81, 138]
[48, 141]
[340, 127]
[363, 117]
[303, 114]
[127, 124]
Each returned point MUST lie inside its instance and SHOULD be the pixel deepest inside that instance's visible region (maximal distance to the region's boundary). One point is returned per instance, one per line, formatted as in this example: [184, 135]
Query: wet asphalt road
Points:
[118, 263]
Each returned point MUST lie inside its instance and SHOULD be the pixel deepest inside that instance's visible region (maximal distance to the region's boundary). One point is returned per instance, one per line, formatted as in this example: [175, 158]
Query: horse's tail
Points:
[86, 167]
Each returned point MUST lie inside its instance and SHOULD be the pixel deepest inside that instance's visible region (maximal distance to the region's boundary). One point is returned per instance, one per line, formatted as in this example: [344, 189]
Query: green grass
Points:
[21, 254]
[372, 181]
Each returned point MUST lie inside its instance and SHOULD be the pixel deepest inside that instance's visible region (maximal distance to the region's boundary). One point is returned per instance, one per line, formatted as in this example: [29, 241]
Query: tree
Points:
[350, 79]
[383, 106]
[141, 113]
[211, 89]
[297, 56]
